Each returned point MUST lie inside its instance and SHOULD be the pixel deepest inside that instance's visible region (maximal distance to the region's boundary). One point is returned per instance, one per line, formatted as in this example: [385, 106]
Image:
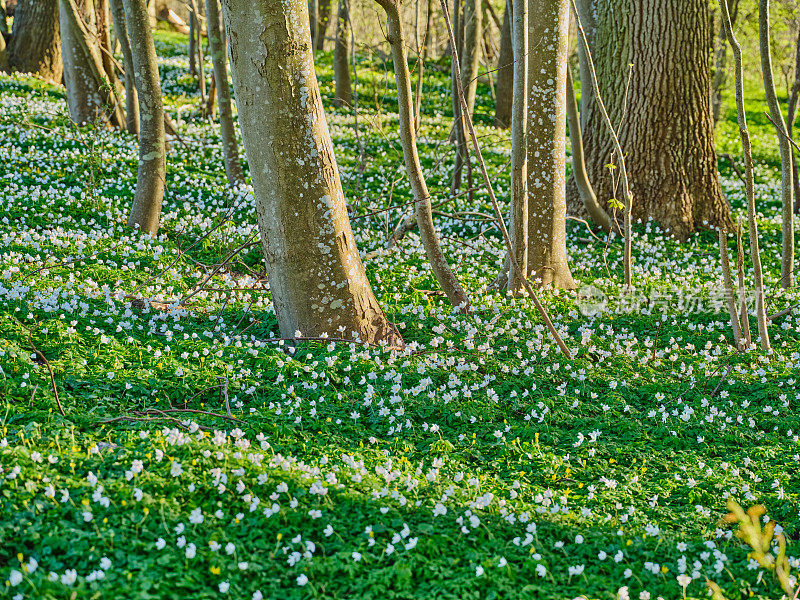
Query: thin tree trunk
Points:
[596, 213]
[131, 98]
[430, 240]
[505, 73]
[343, 95]
[755, 254]
[787, 187]
[193, 24]
[662, 114]
[471, 56]
[519, 146]
[730, 298]
[146, 210]
[721, 64]
[201, 70]
[458, 117]
[791, 117]
[324, 8]
[103, 31]
[216, 44]
[316, 277]
[35, 42]
[744, 318]
[422, 55]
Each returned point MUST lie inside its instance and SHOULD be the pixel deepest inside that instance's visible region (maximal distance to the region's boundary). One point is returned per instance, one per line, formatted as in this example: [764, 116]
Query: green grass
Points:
[477, 464]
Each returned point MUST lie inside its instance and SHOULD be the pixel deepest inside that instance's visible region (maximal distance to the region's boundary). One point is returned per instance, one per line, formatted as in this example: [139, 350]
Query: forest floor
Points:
[477, 463]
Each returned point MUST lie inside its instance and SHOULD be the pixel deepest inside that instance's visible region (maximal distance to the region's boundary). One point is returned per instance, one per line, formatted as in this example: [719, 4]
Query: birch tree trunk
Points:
[424, 213]
[787, 187]
[35, 42]
[146, 210]
[131, 98]
[343, 95]
[666, 126]
[505, 73]
[317, 280]
[548, 42]
[216, 45]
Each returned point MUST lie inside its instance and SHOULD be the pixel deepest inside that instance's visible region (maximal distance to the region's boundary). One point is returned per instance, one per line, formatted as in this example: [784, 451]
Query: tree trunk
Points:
[317, 280]
[505, 73]
[519, 145]
[471, 56]
[787, 191]
[216, 43]
[791, 117]
[548, 46]
[91, 91]
[424, 213]
[341, 57]
[666, 128]
[131, 98]
[35, 42]
[192, 43]
[721, 63]
[146, 210]
[323, 18]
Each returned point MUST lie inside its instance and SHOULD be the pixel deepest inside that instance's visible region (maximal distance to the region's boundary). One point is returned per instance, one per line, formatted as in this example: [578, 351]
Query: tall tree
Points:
[216, 44]
[131, 98]
[408, 139]
[519, 145]
[548, 45]
[341, 57]
[505, 73]
[35, 42]
[317, 280]
[146, 210]
[319, 22]
[91, 90]
[663, 106]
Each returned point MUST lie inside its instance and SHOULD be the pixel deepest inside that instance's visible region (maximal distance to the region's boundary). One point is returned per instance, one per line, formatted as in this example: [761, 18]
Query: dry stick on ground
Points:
[787, 225]
[590, 203]
[441, 269]
[46, 363]
[626, 192]
[758, 275]
[744, 318]
[497, 212]
[728, 282]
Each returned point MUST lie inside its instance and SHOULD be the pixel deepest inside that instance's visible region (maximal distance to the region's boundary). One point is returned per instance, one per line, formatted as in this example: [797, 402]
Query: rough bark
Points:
[666, 127]
[424, 213]
[317, 280]
[548, 41]
[596, 213]
[343, 95]
[505, 73]
[35, 42]
[131, 98]
[146, 210]
[91, 91]
[216, 44]
[787, 225]
[519, 147]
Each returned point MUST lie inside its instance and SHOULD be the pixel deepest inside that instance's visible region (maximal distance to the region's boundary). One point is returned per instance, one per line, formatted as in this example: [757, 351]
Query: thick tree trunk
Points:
[131, 98]
[35, 43]
[505, 73]
[666, 127]
[424, 213]
[230, 148]
[341, 57]
[548, 46]
[89, 87]
[146, 210]
[317, 280]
